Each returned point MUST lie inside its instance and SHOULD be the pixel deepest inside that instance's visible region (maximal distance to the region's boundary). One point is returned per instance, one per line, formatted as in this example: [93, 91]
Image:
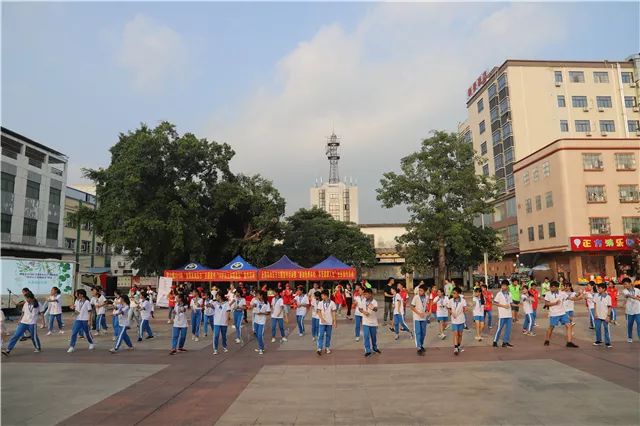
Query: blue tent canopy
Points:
[284, 263]
[193, 266]
[238, 264]
[331, 262]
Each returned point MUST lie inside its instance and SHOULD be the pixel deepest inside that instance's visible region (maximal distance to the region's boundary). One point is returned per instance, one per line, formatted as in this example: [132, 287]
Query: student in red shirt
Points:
[488, 305]
[433, 307]
[535, 296]
[287, 300]
[612, 291]
[404, 295]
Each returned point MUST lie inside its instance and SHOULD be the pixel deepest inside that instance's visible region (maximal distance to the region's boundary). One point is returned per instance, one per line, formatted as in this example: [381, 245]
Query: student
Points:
[348, 298]
[100, 305]
[302, 302]
[503, 301]
[420, 309]
[357, 297]
[82, 307]
[145, 308]
[527, 308]
[488, 306]
[221, 317]
[632, 308]
[117, 301]
[179, 329]
[546, 286]
[196, 314]
[369, 309]
[327, 313]
[239, 308]
[123, 323]
[277, 317]
[208, 313]
[388, 300]
[29, 321]
[433, 293]
[535, 297]
[457, 308]
[602, 314]
[287, 300]
[171, 299]
[338, 298]
[398, 314]
[478, 312]
[514, 291]
[612, 291]
[260, 312]
[315, 319]
[588, 294]
[554, 301]
[55, 310]
[442, 312]
[569, 301]
[448, 287]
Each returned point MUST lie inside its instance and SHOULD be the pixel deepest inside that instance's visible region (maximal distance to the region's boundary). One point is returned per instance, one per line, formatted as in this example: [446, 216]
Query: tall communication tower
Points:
[332, 154]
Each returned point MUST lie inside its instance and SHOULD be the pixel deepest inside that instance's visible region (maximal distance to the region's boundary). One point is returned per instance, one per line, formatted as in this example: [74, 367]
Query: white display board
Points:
[164, 287]
[38, 275]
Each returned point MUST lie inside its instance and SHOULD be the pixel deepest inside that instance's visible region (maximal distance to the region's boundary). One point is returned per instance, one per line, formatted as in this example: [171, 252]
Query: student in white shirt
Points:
[569, 301]
[239, 308]
[504, 303]
[260, 311]
[457, 310]
[302, 302]
[357, 297]
[180, 325]
[554, 301]
[478, 312]
[81, 325]
[602, 314]
[208, 302]
[398, 313]
[29, 320]
[420, 309]
[196, 315]
[526, 301]
[55, 310]
[315, 319]
[326, 309]
[221, 317]
[123, 322]
[442, 312]
[589, 293]
[99, 303]
[277, 317]
[146, 309]
[369, 310]
[117, 301]
[632, 308]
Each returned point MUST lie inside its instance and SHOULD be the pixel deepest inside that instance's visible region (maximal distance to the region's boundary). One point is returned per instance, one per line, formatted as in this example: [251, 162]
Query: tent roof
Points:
[238, 264]
[284, 263]
[331, 262]
[193, 266]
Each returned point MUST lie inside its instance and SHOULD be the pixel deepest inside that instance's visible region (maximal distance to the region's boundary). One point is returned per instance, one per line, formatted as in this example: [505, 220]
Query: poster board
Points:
[164, 288]
[39, 275]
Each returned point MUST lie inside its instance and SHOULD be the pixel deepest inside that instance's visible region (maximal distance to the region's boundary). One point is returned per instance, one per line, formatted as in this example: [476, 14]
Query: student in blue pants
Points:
[221, 318]
[398, 314]
[302, 302]
[602, 312]
[28, 322]
[83, 308]
[327, 313]
[315, 319]
[117, 301]
[504, 303]
[357, 316]
[180, 325]
[369, 310]
[208, 313]
[196, 315]
[260, 312]
[123, 322]
[239, 308]
[420, 309]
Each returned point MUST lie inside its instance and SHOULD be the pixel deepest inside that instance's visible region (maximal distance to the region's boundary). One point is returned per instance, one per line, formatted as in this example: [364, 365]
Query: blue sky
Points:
[272, 79]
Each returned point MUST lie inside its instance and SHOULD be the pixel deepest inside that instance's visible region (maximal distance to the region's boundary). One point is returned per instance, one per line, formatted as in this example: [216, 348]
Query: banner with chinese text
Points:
[600, 243]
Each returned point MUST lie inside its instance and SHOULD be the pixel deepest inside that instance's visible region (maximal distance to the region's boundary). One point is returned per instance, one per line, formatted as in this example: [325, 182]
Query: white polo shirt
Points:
[421, 304]
[180, 318]
[397, 311]
[632, 306]
[239, 304]
[101, 301]
[145, 310]
[370, 320]
[123, 315]
[325, 312]
[457, 310]
[208, 307]
[588, 296]
[55, 305]
[526, 301]
[478, 307]
[260, 307]
[441, 306]
[602, 302]
[83, 309]
[220, 315]
[314, 309]
[29, 314]
[277, 308]
[556, 310]
[196, 304]
[503, 299]
[357, 300]
[301, 301]
[569, 305]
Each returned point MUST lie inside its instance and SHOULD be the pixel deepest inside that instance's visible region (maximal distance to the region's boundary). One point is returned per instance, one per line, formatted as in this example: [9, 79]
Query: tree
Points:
[311, 235]
[167, 199]
[443, 195]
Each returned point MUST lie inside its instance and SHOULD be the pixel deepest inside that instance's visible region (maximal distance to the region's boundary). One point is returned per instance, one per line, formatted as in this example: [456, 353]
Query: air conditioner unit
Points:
[120, 264]
[585, 109]
[603, 133]
[588, 133]
[633, 84]
[558, 84]
[636, 109]
[601, 109]
[638, 132]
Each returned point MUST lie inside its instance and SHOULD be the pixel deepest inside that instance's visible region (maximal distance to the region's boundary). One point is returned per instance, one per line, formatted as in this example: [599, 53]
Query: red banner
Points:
[306, 274]
[215, 276]
[602, 243]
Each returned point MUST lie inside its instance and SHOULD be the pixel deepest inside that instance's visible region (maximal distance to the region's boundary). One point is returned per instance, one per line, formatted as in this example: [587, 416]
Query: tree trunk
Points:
[442, 261]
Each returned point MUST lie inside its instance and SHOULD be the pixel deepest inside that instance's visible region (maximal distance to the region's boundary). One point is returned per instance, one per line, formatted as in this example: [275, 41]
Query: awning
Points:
[236, 270]
[333, 269]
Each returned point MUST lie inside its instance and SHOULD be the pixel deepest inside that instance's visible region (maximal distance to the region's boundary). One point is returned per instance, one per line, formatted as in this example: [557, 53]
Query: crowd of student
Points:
[446, 306]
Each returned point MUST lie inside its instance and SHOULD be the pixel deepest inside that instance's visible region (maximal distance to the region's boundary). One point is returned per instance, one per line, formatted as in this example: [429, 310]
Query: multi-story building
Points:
[578, 201]
[522, 106]
[33, 181]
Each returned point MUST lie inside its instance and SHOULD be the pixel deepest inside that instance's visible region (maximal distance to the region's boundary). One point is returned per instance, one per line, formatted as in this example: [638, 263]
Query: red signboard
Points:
[212, 275]
[602, 243]
[306, 274]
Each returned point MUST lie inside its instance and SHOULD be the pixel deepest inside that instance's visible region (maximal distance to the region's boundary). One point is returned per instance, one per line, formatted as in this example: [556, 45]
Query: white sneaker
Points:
[36, 351]
[443, 336]
[357, 339]
[284, 339]
[233, 326]
[215, 352]
[197, 339]
[61, 332]
[113, 339]
[328, 351]
[70, 350]
[49, 334]
[260, 352]
[313, 338]
[273, 339]
[300, 334]
[629, 341]
[237, 340]
[92, 347]
[113, 350]
[225, 350]
[168, 321]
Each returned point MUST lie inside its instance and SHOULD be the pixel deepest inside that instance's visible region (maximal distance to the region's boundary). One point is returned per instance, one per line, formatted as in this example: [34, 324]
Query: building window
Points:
[630, 101]
[8, 182]
[603, 101]
[33, 190]
[579, 101]
[87, 226]
[498, 161]
[502, 81]
[546, 169]
[494, 114]
[527, 204]
[548, 199]
[492, 91]
[512, 234]
[538, 202]
[541, 232]
[599, 225]
[100, 247]
[561, 101]
[631, 225]
[499, 212]
[467, 138]
[485, 170]
[530, 232]
[600, 77]
[525, 178]
[29, 227]
[592, 162]
[633, 125]
[557, 76]
[625, 161]
[536, 175]
[506, 130]
[84, 246]
[510, 182]
[6, 223]
[52, 231]
[596, 194]
[628, 193]
[482, 127]
[508, 156]
[511, 207]
[576, 76]
[54, 196]
[627, 77]
[564, 126]
[583, 126]
[607, 126]
[70, 243]
[495, 137]
[552, 229]
[480, 105]
[503, 105]
[483, 148]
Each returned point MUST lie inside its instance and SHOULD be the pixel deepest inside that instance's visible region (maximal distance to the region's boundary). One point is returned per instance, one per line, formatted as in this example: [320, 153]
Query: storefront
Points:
[600, 256]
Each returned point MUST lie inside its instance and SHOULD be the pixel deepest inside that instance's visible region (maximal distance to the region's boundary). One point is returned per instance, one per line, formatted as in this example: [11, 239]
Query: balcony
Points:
[56, 171]
[594, 198]
[601, 230]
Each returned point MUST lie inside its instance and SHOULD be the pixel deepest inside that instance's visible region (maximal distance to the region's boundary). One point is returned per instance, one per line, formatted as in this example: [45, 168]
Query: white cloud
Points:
[152, 52]
[401, 72]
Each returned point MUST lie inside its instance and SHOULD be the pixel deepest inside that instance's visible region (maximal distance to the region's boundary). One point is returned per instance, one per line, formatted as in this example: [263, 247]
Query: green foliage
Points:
[168, 199]
[311, 235]
[443, 194]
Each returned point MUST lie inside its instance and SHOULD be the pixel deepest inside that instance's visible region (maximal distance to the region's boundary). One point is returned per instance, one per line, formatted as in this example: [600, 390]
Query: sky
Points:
[275, 79]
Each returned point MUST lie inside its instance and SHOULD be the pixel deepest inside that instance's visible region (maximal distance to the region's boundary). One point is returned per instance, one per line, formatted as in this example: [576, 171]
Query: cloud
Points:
[152, 52]
[400, 72]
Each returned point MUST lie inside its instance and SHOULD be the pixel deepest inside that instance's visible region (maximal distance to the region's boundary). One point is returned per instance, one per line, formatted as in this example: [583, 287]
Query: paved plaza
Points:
[527, 385]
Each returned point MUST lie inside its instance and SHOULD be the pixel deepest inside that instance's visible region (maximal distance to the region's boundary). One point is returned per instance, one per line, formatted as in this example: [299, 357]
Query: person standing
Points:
[196, 315]
[82, 307]
[28, 321]
[357, 297]
[277, 317]
[589, 293]
[348, 297]
[388, 300]
[514, 291]
[369, 309]
[448, 287]
[503, 301]
[546, 286]
[441, 303]
[535, 297]
[239, 309]
[420, 309]
[602, 314]
[632, 308]
[478, 312]
[488, 306]
[398, 314]
[55, 310]
[221, 317]
[260, 312]
[315, 319]
[327, 314]
[287, 300]
[123, 323]
[302, 303]
[527, 309]
[100, 306]
[180, 325]
[146, 309]
[208, 312]
[612, 291]
[457, 310]
[554, 301]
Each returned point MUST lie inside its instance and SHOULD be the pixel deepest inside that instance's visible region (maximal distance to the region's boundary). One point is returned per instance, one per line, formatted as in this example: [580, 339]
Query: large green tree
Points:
[311, 235]
[443, 194]
[167, 199]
